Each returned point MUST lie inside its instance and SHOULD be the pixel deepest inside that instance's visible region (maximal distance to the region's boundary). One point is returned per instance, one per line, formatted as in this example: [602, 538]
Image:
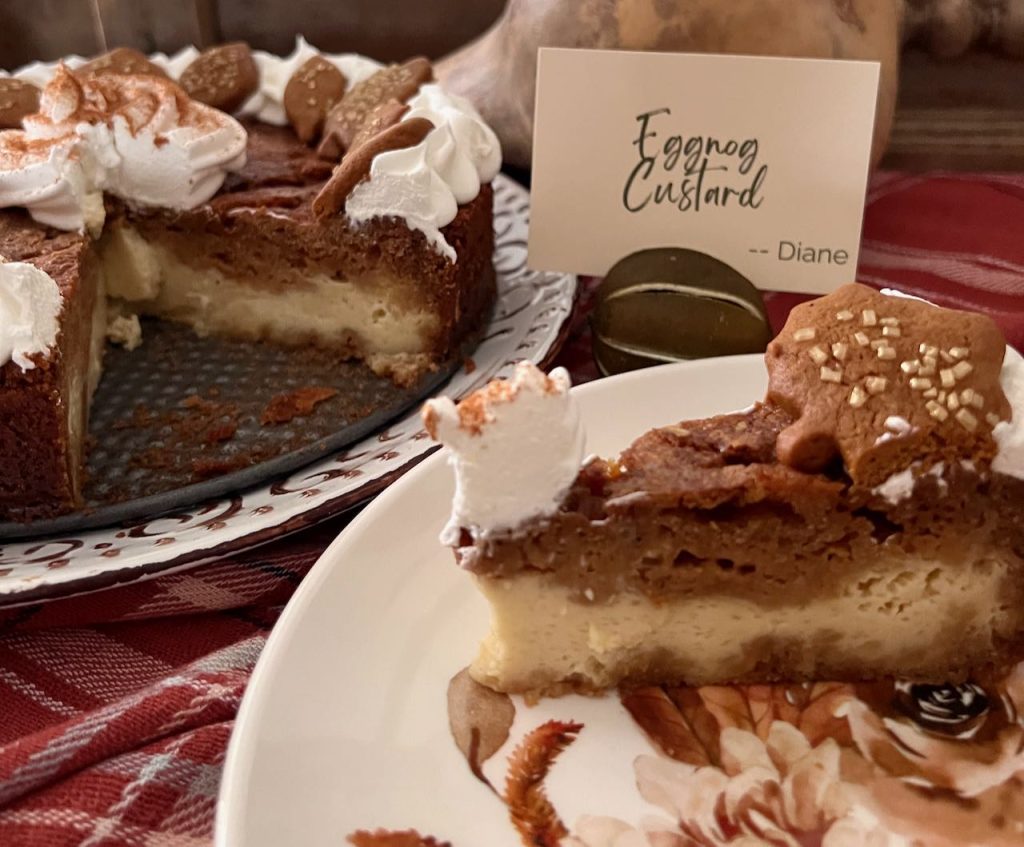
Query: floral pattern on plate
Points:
[823, 764]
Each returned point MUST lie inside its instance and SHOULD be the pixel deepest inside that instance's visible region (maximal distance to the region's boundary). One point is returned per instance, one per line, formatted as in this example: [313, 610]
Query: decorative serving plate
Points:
[359, 727]
[529, 322]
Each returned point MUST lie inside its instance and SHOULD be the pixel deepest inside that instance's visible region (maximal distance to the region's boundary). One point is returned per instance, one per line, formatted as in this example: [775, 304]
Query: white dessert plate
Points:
[344, 730]
[530, 321]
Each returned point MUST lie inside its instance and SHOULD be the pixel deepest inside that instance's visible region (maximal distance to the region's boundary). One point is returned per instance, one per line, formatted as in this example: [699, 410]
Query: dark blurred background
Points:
[385, 29]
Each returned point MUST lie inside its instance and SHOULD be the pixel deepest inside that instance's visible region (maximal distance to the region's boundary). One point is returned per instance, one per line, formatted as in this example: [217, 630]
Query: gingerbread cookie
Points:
[17, 99]
[120, 60]
[395, 82]
[311, 92]
[223, 77]
[884, 382]
[383, 116]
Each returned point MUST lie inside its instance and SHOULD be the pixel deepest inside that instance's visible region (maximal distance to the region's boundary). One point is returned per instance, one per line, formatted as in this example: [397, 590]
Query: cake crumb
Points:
[283, 408]
[125, 330]
[207, 468]
[221, 432]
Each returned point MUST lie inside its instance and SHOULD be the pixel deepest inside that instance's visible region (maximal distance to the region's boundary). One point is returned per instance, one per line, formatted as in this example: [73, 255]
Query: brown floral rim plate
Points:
[530, 321]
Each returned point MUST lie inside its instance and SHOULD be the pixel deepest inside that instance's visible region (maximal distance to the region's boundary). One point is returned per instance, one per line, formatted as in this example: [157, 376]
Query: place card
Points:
[759, 162]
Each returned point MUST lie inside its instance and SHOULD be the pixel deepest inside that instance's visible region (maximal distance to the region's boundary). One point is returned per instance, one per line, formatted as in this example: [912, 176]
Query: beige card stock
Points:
[759, 162]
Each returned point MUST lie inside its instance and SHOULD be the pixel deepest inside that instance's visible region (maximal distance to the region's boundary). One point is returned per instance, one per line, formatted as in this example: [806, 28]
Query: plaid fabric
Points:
[115, 708]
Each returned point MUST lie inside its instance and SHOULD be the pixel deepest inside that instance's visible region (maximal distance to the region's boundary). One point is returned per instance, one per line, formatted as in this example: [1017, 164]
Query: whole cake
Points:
[865, 521]
[315, 199]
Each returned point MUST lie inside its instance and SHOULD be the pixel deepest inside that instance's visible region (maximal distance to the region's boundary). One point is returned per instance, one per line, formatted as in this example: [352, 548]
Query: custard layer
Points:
[912, 618]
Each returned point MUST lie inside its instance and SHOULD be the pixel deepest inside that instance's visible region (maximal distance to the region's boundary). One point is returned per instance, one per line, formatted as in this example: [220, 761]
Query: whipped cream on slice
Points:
[30, 303]
[267, 103]
[516, 447]
[139, 138]
[1009, 435]
[425, 184]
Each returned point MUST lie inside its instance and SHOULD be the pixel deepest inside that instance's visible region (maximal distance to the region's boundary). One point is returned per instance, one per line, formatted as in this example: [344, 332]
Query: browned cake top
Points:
[703, 464]
[54, 251]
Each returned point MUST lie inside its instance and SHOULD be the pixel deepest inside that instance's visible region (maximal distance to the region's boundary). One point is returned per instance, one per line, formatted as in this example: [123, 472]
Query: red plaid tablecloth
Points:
[115, 708]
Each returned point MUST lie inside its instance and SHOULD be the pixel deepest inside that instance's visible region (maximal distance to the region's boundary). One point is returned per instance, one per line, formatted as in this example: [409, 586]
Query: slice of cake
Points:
[312, 200]
[864, 521]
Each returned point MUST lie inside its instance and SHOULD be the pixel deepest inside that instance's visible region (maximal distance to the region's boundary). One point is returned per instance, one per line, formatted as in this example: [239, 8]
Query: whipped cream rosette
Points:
[139, 138]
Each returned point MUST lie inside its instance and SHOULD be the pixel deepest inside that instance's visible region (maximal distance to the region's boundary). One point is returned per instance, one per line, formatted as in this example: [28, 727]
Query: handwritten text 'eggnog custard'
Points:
[691, 172]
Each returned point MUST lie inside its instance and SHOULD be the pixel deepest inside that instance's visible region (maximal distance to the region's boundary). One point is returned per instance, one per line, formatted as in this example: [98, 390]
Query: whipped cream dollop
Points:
[140, 138]
[54, 178]
[422, 185]
[175, 64]
[425, 184]
[516, 447]
[267, 103]
[1009, 435]
[30, 303]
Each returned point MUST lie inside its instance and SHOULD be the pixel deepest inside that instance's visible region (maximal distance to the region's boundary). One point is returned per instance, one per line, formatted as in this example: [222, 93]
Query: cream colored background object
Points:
[813, 123]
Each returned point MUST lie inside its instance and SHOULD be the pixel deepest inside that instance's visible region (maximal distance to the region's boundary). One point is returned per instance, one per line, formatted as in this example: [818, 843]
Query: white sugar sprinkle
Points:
[808, 333]
[869, 318]
[959, 352]
[953, 402]
[970, 397]
[936, 411]
[931, 392]
[818, 355]
[967, 420]
[886, 352]
[844, 315]
[910, 367]
[839, 350]
[962, 369]
[948, 380]
[862, 339]
[894, 423]
[891, 331]
[857, 397]
[876, 384]
[830, 375]
[920, 384]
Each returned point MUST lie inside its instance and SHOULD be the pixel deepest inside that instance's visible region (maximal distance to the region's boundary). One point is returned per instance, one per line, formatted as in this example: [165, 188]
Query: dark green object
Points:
[669, 304]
